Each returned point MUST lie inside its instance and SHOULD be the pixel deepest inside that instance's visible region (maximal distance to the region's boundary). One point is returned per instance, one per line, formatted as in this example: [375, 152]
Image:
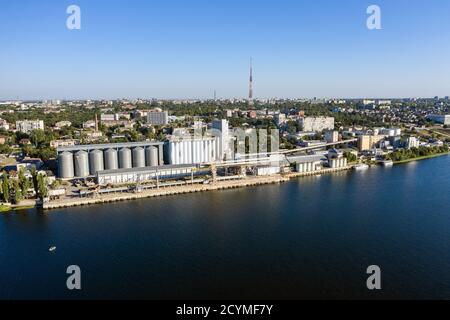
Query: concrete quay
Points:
[185, 189]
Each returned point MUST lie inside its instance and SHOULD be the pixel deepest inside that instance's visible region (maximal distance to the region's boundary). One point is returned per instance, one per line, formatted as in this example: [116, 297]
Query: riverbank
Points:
[422, 158]
[185, 189]
[24, 205]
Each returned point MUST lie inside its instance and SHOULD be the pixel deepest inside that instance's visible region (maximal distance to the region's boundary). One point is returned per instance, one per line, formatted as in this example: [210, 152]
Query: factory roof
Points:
[145, 169]
[109, 146]
[306, 159]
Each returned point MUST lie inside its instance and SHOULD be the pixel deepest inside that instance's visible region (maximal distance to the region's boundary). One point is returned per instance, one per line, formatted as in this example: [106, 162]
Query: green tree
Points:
[38, 137]
[24, 182]
[34, 174]
[42, 186]
[5, 187]
[350, 156]
[18, 196]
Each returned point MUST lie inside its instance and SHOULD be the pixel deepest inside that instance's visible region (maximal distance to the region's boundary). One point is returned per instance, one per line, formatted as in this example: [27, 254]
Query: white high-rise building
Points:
[412, 142]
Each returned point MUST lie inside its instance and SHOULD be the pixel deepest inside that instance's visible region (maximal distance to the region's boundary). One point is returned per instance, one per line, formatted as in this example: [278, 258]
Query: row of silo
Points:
[338, 163]
[306, 167]
[82, 164]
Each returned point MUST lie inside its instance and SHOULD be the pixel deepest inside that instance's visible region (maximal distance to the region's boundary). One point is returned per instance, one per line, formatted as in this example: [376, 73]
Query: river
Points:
[309, 238]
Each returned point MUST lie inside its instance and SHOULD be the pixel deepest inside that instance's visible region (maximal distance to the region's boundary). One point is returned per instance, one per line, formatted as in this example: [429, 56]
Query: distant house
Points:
[3, 139]
[62, 124]
[63, 143]
[4, 124]
[90, 124]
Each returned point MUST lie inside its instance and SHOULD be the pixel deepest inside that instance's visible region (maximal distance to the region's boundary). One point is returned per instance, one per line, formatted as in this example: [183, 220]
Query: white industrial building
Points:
[442, 119]
[109, 117]
[27, 126]
[140, 175]
[192, 150]
[224, 142]
[316, 124]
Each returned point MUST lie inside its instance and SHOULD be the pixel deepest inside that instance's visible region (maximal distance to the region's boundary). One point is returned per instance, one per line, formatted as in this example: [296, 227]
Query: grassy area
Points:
[4, 209]
[23, 208]
[422, 158]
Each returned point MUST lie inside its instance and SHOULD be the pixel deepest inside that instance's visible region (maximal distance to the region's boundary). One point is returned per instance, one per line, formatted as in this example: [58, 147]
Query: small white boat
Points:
[361, 167]
[387, 163]
[52, 249]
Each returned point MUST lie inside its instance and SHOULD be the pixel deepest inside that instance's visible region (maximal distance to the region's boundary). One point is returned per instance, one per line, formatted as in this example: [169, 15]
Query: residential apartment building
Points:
[27, 126]
[316, 124]
[158, 117]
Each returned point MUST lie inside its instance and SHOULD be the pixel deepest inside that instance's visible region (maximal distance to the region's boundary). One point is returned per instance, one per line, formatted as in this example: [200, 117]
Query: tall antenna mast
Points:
[250, 91]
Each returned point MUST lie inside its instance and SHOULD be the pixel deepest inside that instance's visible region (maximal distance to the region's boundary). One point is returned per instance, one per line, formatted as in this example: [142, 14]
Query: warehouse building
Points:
[84, 161]
[146, 174]
[439, 118]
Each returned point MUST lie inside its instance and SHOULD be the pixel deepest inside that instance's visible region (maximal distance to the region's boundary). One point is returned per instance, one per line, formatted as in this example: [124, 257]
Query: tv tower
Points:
[250, 91]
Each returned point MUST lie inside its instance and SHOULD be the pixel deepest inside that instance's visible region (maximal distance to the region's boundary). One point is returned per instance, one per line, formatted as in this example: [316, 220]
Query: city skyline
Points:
[174, 51]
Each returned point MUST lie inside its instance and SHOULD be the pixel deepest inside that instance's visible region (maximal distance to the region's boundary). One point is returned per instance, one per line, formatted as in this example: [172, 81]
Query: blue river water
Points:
[310, 238]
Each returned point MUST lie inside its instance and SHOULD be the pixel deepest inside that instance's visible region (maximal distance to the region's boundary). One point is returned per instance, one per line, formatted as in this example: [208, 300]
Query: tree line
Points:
[16, 186]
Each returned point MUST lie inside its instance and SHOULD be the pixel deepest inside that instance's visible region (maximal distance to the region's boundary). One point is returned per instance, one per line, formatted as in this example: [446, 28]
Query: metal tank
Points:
[125, 161]
[138, 157]
[152, 156]
[96, 161]
[65, 165]
[81, 164]
[111, 160]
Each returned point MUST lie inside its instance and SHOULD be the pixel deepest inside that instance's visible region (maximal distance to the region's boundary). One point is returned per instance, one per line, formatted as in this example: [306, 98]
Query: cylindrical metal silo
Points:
[81, 164]
[125, 161]
[152, 156]
[111, 160]
[138, 157]
[96, 161]
[65, 165]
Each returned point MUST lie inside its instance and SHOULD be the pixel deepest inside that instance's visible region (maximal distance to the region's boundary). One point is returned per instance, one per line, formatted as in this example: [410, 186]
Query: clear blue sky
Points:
[186, 49]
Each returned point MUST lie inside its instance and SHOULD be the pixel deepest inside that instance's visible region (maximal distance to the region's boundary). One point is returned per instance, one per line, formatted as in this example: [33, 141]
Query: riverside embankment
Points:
[184, 189]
